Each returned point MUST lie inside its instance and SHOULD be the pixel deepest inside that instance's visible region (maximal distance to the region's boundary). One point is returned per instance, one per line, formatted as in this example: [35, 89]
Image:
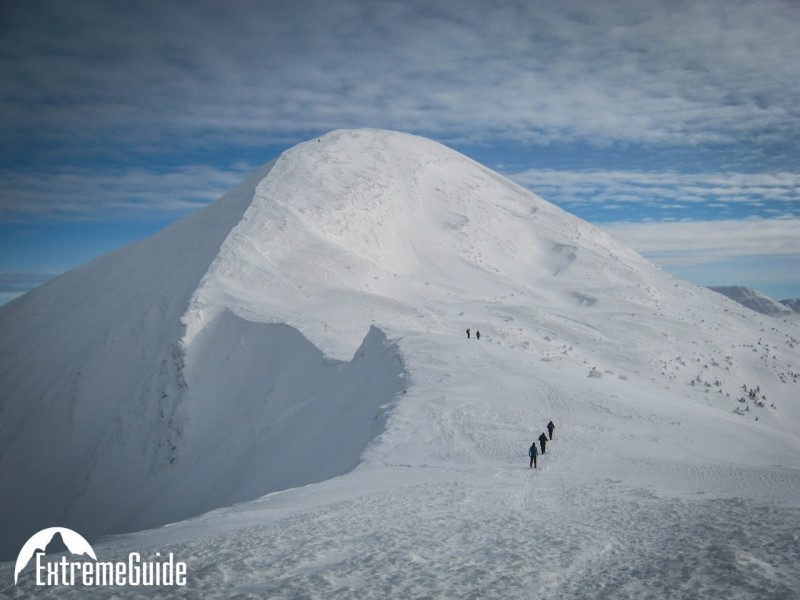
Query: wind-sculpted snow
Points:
[674, 468]
[265, 410]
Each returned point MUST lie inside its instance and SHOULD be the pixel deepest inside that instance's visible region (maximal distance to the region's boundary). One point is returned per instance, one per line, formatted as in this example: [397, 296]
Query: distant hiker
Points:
[533, 452]
[478, 335]
[543, 441]
[467, 332]
[550, 428]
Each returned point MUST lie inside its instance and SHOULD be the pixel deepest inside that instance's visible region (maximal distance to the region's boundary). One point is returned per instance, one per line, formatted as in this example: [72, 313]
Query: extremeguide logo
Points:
[72, 571]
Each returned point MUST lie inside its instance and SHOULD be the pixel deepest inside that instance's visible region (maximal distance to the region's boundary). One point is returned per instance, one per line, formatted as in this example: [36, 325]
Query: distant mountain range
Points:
[793, 303]
[758, 302]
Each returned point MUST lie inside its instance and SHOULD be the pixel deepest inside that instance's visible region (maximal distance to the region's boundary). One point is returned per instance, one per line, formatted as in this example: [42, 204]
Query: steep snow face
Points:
[321, 325]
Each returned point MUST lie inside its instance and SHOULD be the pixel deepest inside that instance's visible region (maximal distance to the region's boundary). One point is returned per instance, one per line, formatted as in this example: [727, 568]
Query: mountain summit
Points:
[311, 326]
[397, 223]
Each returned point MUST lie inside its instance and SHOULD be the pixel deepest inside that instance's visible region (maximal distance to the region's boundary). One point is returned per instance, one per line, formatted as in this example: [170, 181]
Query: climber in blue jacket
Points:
[533, 452]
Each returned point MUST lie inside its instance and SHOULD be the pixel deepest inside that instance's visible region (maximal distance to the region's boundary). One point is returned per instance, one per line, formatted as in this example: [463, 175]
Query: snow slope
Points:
[305, 336]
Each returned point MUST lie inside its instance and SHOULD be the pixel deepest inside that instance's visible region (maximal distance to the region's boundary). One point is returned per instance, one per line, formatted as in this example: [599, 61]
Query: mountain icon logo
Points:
[74, 542]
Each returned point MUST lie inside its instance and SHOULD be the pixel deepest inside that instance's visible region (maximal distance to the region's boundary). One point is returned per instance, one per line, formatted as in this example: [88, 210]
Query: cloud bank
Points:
[81, 193]
[717, 71]
[759, 194]
[760, 253]
[697, 242]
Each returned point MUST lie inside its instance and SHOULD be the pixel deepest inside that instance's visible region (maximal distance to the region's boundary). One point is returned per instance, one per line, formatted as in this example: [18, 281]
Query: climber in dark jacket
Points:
[543, 441]
[550, 428]
[533, 452]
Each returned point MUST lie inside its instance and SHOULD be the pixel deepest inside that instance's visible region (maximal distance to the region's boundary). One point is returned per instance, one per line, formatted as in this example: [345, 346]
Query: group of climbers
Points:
[533, 451]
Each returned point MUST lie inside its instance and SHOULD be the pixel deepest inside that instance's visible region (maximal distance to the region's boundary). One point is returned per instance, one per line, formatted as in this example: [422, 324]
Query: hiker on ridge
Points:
[550, 428]
[543, 441]
[467, 332]
[533, 452]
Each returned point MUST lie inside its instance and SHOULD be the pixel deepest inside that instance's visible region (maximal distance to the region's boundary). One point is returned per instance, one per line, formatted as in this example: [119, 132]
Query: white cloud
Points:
[760, 253]
[680, 244]
[598, 73]
[669, 189]
[88, 194]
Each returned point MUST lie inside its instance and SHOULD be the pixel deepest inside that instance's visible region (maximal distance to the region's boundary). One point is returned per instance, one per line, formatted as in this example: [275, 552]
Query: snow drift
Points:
[311, 324]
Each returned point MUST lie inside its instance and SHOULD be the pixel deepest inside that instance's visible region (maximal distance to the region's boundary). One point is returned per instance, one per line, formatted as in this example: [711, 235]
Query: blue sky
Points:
[673, 124]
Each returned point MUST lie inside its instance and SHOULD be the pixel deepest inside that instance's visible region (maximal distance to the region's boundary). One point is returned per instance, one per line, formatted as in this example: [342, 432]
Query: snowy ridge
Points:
[316, 349]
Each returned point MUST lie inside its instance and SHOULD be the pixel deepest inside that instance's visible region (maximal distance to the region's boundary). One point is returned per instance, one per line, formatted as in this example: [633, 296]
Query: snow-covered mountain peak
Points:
[399, 201]
[402, 220]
